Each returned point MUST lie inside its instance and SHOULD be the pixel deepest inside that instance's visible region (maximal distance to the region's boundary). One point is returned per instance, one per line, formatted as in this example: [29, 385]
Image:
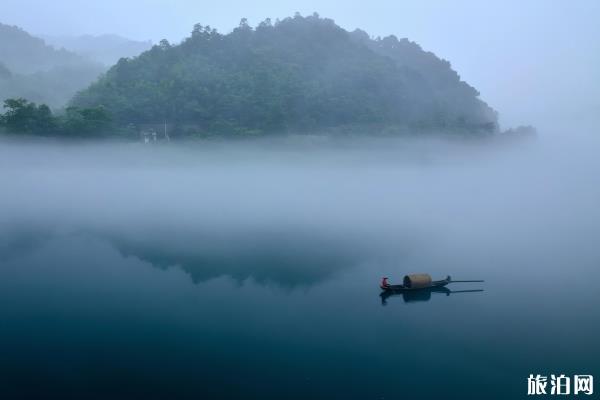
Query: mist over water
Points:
[264, 258]
[379, 193]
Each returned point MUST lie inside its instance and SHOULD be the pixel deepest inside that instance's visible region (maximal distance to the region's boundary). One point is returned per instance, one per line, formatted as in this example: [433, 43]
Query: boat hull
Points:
[402, 288]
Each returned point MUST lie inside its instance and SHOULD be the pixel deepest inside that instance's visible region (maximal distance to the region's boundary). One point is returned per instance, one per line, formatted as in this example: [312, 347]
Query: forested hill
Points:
[32, 69]
[23, 53]
[301, 74]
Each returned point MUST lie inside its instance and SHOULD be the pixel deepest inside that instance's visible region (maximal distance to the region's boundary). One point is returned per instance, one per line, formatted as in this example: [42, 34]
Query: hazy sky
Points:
[531, 60]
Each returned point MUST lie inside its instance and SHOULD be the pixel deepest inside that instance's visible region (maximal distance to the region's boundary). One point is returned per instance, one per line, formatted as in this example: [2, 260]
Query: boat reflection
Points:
[420, 295]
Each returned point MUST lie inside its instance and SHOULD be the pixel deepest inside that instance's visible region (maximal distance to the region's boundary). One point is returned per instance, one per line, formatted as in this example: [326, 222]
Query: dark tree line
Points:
[23, 117]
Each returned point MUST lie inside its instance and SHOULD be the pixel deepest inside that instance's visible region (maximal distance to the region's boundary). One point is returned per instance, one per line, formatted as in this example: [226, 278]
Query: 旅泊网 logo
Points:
[560, 385]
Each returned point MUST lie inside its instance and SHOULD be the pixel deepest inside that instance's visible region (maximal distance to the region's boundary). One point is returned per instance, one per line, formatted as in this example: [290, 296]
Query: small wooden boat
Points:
[418, 282]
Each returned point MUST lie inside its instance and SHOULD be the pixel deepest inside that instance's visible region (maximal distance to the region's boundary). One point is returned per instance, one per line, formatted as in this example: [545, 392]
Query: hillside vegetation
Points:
[301, 74]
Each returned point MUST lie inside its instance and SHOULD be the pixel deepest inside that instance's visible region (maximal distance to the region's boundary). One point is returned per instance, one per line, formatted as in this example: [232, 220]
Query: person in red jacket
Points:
[384, 283]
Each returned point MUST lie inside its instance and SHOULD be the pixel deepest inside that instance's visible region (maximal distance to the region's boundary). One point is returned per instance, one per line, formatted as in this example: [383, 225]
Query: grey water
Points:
[251, 270]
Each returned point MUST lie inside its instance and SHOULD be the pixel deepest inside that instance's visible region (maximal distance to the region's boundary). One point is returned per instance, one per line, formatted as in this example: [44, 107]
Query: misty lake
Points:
[253, 271]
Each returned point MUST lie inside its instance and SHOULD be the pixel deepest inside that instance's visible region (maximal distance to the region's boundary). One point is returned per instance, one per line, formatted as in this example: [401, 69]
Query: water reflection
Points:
[22, 242]
[284, 259]
[420, 295]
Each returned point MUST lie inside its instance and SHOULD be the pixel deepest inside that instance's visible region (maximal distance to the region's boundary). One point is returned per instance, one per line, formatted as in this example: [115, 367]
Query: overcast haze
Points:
[535, 62]
[236, 252]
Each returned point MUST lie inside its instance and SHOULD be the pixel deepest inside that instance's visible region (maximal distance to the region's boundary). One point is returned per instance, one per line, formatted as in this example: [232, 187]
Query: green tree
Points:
[25, 117]
[86, 122]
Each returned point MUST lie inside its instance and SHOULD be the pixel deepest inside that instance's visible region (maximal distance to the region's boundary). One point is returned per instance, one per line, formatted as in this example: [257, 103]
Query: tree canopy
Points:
[27, 118]
[295, 75]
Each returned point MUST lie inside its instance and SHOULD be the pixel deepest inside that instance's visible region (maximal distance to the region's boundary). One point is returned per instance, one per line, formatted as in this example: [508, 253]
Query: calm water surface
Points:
[286, 304]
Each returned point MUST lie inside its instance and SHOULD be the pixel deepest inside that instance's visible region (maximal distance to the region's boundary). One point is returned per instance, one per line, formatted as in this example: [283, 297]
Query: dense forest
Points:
[301, 74]
[25, 117]
[297, 75]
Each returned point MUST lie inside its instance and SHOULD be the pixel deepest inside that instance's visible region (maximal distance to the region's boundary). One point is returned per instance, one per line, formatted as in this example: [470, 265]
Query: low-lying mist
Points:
[313, 206]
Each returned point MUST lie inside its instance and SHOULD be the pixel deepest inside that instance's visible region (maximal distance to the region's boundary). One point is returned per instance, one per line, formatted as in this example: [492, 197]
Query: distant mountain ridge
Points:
[23, 53]
[301, 74]
[106, 49]
[36, 69]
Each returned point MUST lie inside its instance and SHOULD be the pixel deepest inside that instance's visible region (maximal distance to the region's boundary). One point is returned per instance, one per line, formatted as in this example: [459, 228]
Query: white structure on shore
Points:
[148, 134]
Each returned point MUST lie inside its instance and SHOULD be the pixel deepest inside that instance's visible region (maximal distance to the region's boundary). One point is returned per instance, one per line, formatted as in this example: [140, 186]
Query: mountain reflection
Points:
[288, 259]
[22, 241]
[285, 259]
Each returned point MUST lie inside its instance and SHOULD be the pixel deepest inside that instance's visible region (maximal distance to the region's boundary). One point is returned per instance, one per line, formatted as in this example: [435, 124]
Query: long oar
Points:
[466, 291]
[452, 281]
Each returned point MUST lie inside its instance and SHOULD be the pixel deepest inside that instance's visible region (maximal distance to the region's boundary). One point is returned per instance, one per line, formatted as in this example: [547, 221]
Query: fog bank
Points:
[375, 201]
